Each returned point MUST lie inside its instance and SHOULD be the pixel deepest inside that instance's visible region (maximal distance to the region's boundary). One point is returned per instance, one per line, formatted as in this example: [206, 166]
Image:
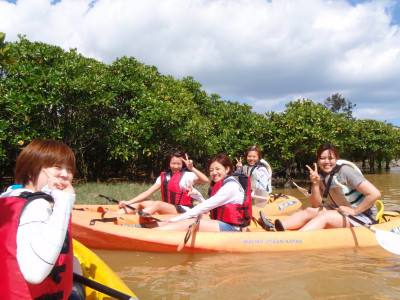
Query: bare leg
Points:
[161, 208]
[300, 218]
[139, 205]
[327, 219]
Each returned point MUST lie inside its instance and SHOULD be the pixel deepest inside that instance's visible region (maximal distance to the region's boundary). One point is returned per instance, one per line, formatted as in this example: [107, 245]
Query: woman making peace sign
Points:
[173, 183]
[343, 187]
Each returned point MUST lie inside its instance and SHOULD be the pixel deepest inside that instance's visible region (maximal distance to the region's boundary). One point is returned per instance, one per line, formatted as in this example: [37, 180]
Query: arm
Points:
[316, 199]
[142, 196]
[228, 193]
[196, 195]
[371, 195]
[200, 177]
[41, 235]
[239, 165]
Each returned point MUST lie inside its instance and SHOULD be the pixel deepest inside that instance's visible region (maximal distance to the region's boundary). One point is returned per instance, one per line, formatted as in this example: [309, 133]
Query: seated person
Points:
[226, 196]
[344, 187]
[173, 183]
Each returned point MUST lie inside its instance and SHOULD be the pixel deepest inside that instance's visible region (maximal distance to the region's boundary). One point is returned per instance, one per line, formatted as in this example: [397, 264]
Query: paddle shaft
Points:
[101, 288]
[191, 230]
[350, 217]
[388, 240]
[140, 212]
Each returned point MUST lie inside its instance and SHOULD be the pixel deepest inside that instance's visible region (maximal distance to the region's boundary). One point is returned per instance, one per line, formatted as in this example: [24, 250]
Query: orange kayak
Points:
[278, 204]
[120, 233]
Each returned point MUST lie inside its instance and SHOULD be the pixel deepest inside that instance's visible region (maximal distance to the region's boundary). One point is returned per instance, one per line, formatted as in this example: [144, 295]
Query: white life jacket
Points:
[250, 171]
[346, 196]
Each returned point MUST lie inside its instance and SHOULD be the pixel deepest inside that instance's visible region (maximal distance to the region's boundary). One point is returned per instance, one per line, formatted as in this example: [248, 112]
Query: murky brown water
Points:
[345, 274]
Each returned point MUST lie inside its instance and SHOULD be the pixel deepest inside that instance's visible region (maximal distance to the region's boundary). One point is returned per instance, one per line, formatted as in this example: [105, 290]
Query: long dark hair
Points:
[178, 154]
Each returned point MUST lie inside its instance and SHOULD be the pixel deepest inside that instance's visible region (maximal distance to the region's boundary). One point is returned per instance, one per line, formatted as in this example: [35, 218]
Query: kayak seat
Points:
[265, 223]
[379, 207]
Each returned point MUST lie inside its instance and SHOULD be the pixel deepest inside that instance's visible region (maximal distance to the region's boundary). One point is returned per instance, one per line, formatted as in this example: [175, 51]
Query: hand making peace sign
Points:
[188, 162]
[238, 162]
[191, 190]
[314, 175]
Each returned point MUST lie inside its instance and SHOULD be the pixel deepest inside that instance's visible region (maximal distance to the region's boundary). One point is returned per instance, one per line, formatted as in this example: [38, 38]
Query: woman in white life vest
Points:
[36, 245]
[258, 169]
[329, 182]
[173, 183]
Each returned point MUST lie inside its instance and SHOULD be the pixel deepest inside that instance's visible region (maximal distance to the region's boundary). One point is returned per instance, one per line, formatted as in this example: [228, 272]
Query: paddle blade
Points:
[260, 197]
[302, 190]
[390, 241]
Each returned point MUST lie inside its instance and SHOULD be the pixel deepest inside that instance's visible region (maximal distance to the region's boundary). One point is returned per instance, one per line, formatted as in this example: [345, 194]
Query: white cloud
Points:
[376, 113]
[265, 52]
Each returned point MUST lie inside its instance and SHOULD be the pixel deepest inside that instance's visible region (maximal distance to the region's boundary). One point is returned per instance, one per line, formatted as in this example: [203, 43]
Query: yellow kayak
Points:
[95, 269]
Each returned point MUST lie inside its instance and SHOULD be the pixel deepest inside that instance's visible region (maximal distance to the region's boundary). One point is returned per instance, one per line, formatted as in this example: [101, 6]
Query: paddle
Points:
[139, 212]
[101, 288]
[302, 190]
[191, 229]
[260, 197]
[388, 240]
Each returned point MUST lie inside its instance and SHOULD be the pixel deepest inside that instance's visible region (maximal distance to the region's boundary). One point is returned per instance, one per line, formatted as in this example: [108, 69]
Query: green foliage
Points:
[296, 133]
[338, 104]
[122, 119]
[5, 57]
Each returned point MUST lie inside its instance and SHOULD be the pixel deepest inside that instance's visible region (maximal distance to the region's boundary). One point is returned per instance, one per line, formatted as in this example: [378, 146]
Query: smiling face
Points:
[327, 161]
[218, 171]
[252, 158]
[47, 176]
[176, 164]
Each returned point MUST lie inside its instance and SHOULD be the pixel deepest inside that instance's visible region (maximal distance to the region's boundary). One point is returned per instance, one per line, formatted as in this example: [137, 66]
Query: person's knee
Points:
[156, 205]
[312, 211]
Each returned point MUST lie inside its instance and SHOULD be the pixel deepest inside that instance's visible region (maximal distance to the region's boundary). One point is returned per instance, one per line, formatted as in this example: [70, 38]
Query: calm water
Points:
[369, 273]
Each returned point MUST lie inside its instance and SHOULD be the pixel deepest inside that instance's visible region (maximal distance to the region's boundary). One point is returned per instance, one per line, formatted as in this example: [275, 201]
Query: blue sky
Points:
[264, 53]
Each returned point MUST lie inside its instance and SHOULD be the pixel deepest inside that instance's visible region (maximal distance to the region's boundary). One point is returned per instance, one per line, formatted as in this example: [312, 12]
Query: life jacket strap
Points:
[54, 296]
[103, 220]
[55, 273]
[330, 178]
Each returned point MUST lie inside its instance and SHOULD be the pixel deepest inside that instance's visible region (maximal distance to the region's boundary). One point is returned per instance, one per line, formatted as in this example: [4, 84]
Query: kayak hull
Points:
[96, 269]
[117, 235]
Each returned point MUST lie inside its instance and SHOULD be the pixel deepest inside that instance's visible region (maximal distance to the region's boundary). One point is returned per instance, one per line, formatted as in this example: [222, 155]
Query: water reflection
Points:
[370, 273]
[346, 273]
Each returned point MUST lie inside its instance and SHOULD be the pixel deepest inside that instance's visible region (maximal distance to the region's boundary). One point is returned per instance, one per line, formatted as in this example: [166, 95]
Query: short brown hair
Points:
[253, 148]
[223, 160]
[330, 147]
[41, 154]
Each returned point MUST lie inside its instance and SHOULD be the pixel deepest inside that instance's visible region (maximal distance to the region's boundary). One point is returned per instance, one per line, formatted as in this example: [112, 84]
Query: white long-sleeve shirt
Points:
[41, 233]
[231, 192]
